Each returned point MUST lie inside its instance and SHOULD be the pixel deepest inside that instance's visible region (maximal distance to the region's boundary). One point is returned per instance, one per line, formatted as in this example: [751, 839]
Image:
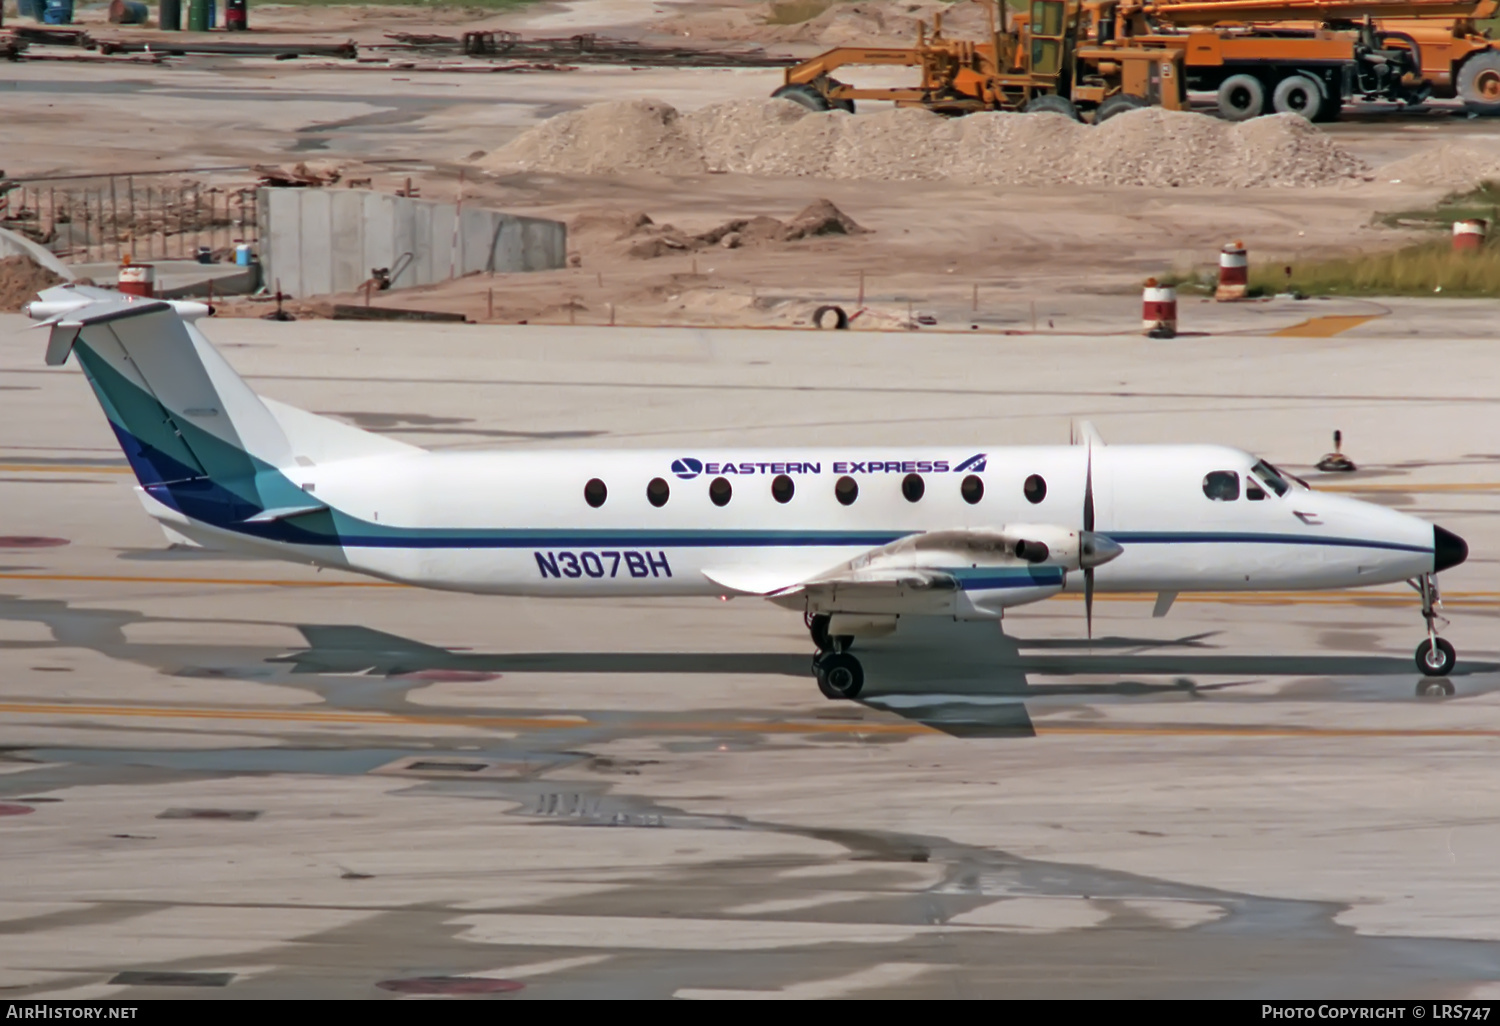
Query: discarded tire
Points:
[840, 320]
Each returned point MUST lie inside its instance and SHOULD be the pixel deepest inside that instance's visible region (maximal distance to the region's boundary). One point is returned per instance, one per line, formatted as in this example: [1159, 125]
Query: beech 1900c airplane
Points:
[854, 537]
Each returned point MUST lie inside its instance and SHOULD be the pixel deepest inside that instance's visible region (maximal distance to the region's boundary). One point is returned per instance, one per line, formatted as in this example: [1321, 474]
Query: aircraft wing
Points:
[928, 571]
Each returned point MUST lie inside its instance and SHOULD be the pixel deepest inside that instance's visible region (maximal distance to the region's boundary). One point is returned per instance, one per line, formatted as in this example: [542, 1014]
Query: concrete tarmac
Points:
[227, 777]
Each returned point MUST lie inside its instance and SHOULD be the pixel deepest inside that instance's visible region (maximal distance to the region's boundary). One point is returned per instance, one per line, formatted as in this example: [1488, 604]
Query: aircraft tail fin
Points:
[188, 424]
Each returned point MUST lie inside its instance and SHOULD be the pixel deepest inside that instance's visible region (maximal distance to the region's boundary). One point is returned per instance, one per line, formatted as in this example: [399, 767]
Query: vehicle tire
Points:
[840, 676]
[840, 318]
[847, 106]
[1241, 98]
[807, 95]
[1299, 94]
[1053, 104]
[1118, 104]
[1437, 663]
[1479, 83]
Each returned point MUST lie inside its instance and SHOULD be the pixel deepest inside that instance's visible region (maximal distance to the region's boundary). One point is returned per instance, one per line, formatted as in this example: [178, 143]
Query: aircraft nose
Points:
[1448, 549]
[1097, 549]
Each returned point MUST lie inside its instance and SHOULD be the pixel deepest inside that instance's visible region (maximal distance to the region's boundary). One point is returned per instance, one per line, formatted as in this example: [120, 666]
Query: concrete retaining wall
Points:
[321, 241]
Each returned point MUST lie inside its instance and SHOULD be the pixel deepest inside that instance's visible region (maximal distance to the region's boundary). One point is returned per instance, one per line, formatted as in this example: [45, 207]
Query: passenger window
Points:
[594, 493]
[1253, 492]
[846, 490]
[720, 491]
[912, 487]
[972, 489]
[1222, 486]
[1035, 489]
[782, 488]
[657, 492]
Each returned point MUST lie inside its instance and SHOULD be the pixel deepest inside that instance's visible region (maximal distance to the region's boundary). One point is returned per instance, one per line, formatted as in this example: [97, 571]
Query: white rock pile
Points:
[1147, 147]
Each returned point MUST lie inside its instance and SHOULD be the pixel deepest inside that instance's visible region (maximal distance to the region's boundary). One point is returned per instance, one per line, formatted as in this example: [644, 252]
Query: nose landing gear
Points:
[839, 674]
[1435, 657]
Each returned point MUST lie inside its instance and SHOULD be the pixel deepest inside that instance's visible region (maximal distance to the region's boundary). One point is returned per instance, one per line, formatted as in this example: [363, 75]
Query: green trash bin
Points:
[198, 15]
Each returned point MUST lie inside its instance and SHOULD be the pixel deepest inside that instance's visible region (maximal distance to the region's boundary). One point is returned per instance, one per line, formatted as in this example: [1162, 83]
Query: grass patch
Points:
[1425, 269]
[795, 12]
[1481, 201]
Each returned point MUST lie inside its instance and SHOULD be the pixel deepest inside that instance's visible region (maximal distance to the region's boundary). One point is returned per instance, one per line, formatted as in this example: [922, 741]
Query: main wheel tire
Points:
[1479, 83]
[807, 95]
[1298, 94]
[1118, 104]
[1436, 662]
[1053, 104]
[840, 675]
[1241, 98]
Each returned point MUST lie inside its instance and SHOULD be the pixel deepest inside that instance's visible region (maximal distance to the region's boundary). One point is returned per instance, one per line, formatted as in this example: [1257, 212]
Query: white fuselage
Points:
[519, 523]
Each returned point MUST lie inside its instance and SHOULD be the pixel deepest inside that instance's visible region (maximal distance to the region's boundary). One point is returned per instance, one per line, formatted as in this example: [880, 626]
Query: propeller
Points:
[1088, 527]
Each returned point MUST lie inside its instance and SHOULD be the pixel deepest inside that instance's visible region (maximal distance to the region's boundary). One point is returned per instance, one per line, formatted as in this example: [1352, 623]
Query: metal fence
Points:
[135, 217]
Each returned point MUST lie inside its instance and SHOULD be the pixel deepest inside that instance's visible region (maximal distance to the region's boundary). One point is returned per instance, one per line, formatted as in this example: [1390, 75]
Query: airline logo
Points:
[688, 467]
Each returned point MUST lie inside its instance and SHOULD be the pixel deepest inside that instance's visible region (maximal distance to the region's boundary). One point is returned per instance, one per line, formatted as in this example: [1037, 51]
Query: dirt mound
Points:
[635, 234]
[21, 278]
[1449, 166]
[1148, 147]
[606, 138]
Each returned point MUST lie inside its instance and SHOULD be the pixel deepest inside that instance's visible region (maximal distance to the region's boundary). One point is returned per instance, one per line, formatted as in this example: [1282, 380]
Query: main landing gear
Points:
[839, 673]
[1435, 657]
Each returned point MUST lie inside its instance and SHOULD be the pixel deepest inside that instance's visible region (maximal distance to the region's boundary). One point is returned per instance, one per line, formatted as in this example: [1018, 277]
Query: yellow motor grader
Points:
[1040, 58]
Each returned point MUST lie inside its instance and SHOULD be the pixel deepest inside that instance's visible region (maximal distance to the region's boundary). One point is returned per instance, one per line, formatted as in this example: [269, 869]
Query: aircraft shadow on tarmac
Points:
[963, 678]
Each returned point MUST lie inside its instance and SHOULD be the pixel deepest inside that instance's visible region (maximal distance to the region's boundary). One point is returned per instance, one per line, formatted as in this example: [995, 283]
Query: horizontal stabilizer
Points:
[268, 516]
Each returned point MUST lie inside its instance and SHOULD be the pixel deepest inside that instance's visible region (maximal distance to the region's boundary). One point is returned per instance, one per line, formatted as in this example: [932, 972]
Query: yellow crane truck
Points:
[1097, 58]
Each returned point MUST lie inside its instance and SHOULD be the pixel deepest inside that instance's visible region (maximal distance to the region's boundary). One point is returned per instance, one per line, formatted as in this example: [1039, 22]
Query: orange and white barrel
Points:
[1234, 272]
[1469, 234]
[137, 280]
[1159, 309]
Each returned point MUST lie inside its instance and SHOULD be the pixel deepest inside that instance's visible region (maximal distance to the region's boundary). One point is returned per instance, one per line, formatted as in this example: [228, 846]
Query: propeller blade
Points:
[1088, 600]
[1088, 525]
[1088, 491]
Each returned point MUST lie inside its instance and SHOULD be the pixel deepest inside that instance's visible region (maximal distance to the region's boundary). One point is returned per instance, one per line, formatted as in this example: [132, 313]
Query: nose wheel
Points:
[1435, 657]
[839, 674]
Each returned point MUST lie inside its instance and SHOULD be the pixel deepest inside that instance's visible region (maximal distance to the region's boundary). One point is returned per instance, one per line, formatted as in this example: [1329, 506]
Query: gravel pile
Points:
[1149, 147]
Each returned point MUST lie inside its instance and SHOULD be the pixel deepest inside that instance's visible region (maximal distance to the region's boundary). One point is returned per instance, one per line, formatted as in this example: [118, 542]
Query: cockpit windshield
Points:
[1272, 477]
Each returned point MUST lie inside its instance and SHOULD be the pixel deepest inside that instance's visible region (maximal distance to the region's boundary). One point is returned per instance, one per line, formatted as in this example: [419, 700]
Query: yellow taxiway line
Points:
[849, 727]
[1324, 327]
